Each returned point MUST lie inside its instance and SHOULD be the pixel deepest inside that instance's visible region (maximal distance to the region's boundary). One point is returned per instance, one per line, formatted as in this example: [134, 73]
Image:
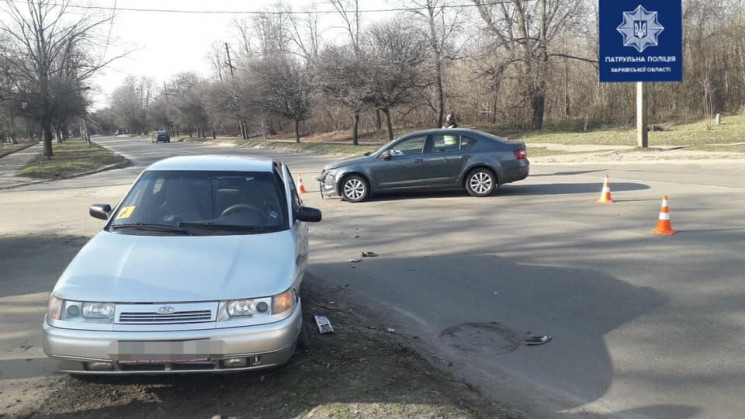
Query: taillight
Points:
[521, 154]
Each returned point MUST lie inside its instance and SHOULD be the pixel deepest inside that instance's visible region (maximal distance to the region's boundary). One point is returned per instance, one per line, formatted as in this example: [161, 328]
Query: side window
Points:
[444, 142]
[411, 146]
[466, 143]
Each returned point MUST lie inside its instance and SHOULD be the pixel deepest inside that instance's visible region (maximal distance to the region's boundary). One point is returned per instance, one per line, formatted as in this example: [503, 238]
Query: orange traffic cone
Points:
[664, 226]
[605, 197]
[302, 187]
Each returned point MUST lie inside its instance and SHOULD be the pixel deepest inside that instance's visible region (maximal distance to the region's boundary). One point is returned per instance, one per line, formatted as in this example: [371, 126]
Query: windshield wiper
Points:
[164, 228]
[225, 227]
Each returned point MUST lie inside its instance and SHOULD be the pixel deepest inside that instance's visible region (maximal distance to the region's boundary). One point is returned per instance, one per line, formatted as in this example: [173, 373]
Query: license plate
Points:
[163, 351]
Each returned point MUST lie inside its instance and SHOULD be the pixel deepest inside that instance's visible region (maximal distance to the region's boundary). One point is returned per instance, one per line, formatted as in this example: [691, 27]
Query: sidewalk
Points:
[12, 163]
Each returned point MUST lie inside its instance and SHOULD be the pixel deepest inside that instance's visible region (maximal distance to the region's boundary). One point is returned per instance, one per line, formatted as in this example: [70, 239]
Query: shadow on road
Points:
[32, 263]
[579, 172]
[566, 188]
[510, 300]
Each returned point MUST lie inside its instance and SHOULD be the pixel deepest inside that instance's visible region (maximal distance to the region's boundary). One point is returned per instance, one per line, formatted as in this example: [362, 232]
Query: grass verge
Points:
[5, 147]
[313, 147]
[72, 157]
[699, 133]
[359, 371]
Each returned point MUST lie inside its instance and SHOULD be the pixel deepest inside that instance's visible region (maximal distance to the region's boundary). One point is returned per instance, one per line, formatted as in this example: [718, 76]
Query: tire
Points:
[303, 339]
[481, 182]
[354, 188]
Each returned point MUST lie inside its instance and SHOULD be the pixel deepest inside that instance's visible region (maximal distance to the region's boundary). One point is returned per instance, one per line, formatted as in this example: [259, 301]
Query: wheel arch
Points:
[359, 173]
[468, 171]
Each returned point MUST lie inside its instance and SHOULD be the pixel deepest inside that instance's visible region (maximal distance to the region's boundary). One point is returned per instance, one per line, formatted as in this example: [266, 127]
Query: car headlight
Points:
[255, 307]
[79, 311]
[283, 302]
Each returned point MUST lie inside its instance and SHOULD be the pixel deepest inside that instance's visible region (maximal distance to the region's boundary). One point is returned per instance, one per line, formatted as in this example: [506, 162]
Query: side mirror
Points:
[386, 155]
[100, 211]
[308, 214]
[367, 154]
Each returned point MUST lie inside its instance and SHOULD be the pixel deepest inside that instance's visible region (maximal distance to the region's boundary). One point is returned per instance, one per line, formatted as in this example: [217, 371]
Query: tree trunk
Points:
[537, 105]
[46, 132]
[355, 132]
[58, 134]
[297, 130]
[378, 125]
[387, 113]
[12, 130]
[214, 136]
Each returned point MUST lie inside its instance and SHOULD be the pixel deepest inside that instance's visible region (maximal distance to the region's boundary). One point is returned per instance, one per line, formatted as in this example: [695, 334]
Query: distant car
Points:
[429, 160]
[197, 270]
[159, 136]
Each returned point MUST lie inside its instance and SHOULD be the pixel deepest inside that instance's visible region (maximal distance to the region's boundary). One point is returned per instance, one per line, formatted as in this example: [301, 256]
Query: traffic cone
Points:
[605, 197]
[664, 226]
[302, 187]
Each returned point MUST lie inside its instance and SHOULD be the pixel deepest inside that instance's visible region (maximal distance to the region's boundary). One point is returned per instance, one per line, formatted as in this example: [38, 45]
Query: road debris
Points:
[323, 323]
[355, 260]
[369, 254]
[537, 340]
[390, 330]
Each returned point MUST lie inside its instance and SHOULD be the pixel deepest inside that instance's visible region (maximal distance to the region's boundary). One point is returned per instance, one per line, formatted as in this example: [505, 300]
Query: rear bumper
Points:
[516, 173]
[262, 346]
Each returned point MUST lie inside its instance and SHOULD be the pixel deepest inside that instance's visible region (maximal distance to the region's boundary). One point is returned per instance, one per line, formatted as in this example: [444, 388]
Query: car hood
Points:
[348, 162]
[129, 268]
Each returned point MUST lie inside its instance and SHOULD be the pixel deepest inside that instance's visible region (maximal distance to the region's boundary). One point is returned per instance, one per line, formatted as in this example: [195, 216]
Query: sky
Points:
[164, 44]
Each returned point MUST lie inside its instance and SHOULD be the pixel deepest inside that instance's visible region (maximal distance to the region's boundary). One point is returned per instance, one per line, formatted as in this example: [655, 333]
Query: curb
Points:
[7, 153]
[121, 165]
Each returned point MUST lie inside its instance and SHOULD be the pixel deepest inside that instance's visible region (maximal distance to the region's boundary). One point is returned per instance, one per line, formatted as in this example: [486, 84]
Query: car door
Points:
[298, 229]
[444, 161]
[404, 168]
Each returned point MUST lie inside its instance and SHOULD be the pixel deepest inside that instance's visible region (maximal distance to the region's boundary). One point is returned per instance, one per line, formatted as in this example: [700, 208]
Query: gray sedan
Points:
[429, 160]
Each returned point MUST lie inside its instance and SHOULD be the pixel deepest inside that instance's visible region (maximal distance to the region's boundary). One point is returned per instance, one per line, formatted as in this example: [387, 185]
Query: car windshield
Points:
[202, 202]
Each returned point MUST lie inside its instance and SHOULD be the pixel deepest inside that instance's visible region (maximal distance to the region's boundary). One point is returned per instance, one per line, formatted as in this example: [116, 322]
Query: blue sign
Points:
[640, 40]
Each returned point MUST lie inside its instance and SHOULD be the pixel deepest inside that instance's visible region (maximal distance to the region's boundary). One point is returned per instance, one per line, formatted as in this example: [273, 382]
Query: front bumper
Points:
[327, 185]
[262, 346]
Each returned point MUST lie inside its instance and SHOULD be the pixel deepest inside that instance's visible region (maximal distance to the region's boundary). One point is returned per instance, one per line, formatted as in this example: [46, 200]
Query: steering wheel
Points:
[242, 208]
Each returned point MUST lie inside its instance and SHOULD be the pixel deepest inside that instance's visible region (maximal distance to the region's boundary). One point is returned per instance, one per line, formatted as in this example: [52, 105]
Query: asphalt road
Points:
[642, 325]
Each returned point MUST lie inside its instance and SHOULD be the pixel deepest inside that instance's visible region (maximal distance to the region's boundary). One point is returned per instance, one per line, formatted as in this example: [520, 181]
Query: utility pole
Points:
[241, 125]
[642, 136]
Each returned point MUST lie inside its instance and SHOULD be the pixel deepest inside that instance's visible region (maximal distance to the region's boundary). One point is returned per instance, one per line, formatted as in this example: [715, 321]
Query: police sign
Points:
[640, 40]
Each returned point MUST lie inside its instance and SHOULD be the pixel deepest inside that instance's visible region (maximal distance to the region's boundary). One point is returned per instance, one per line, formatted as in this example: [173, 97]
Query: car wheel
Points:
[303, 339]
[354, 188]
[481, 182]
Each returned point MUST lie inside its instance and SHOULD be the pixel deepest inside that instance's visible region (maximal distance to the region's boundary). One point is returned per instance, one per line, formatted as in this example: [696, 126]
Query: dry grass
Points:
[71, 158]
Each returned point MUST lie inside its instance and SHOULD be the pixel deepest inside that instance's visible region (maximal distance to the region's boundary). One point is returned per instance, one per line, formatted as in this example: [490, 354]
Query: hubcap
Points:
[480, 182]
[354, 189]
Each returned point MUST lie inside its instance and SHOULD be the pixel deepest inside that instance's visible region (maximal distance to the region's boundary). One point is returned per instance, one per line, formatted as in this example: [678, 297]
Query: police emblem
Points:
[640, 29]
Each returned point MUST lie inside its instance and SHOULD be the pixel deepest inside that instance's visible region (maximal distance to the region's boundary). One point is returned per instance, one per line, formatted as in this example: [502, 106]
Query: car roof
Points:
[216, 163]
[452, 131]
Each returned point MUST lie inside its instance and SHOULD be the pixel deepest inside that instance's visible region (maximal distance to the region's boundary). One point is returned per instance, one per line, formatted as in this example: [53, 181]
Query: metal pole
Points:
[641, 116]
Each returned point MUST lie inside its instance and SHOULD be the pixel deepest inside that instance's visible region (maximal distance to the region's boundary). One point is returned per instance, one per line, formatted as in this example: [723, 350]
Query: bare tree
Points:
[342, 77]
[285, 87]
[52, 60]
[525, 29]
[397, 52]
[441, 29]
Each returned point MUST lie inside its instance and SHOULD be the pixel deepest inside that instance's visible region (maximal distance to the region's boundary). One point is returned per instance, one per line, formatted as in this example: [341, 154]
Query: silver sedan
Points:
[197, 269]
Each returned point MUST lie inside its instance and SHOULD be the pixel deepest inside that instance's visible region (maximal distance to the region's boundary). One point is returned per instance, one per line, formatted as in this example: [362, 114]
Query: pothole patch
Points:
[488, 338]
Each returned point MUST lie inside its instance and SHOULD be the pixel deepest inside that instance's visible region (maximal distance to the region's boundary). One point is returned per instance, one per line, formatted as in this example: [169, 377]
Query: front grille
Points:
[195, 316]
[196, 366]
